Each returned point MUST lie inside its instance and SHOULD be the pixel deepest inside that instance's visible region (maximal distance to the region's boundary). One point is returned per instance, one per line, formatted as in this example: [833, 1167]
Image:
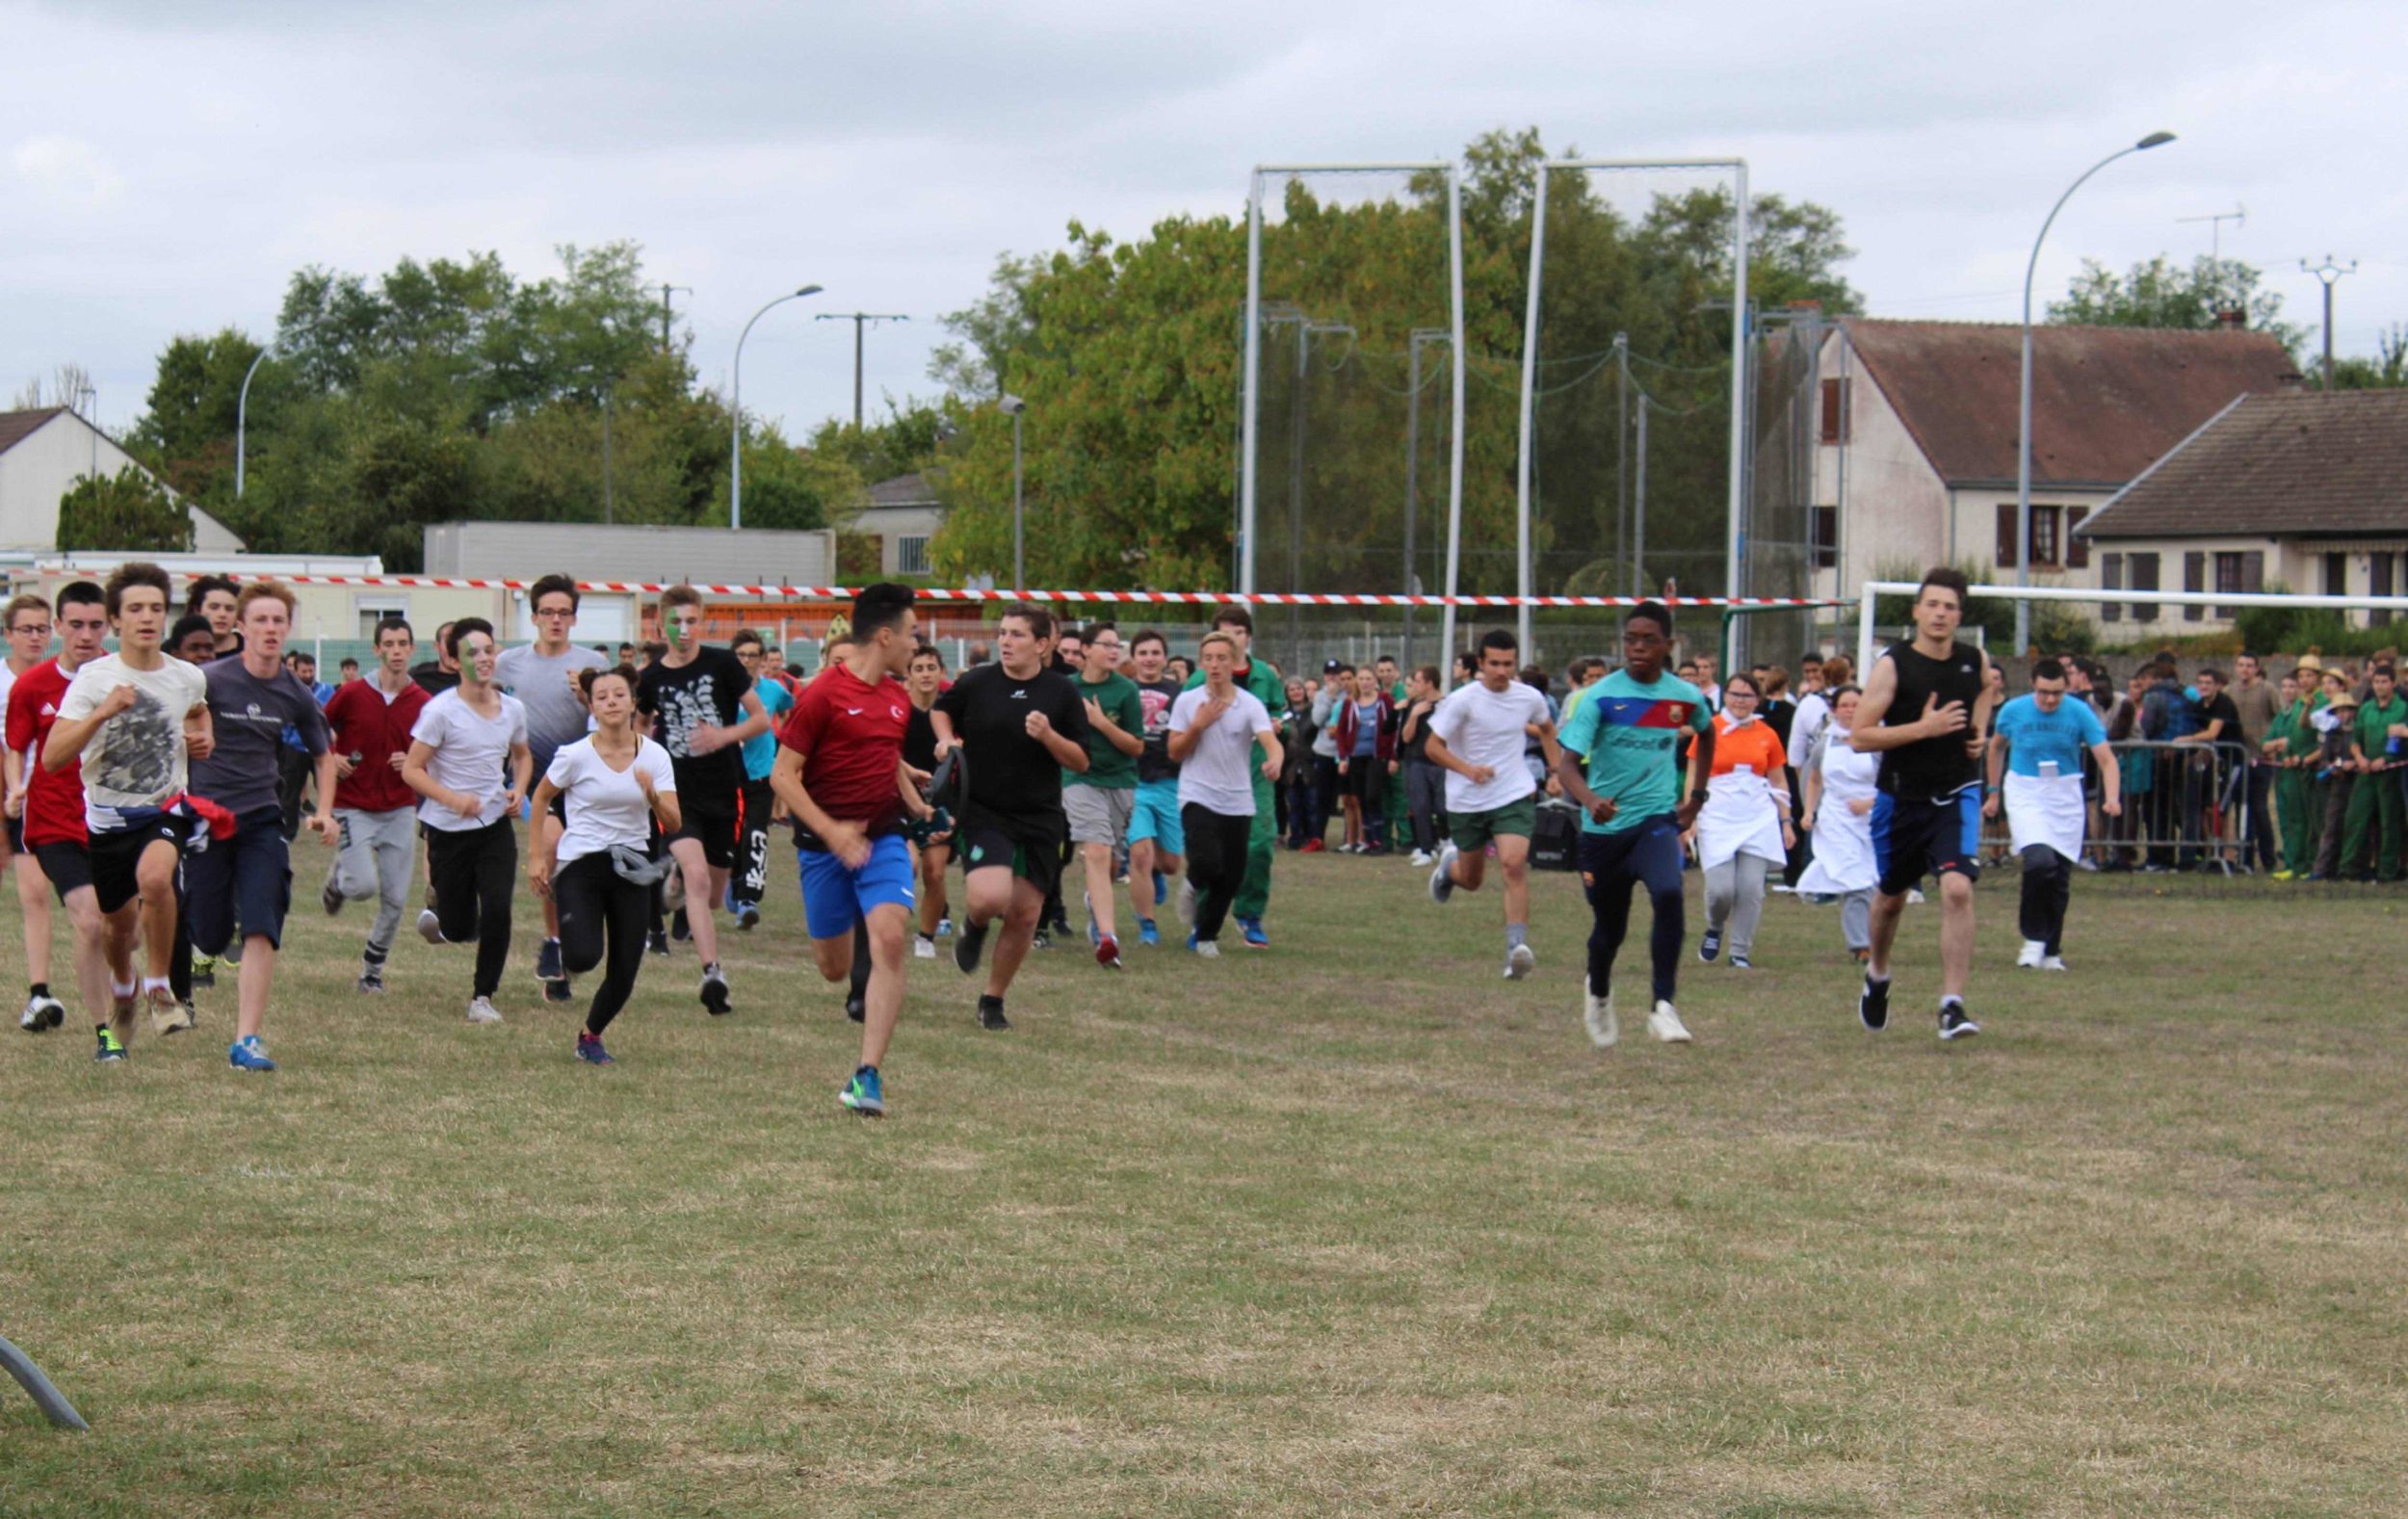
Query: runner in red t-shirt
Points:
[51, 802]
[841, 774]
[372, 720]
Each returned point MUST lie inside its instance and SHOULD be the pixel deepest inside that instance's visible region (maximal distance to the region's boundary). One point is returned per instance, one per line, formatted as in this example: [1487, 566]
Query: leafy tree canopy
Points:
[124, 511]
[2160, 293]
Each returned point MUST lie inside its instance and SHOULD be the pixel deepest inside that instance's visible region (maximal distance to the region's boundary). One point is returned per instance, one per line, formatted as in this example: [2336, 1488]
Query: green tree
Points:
[186, 432]
[127, 510]
[904, 440]
[2160, 293]
[2387, 370]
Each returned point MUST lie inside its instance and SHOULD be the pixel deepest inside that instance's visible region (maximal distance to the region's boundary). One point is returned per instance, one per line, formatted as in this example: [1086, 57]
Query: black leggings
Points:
[1215, 863]
[1611, 864]
[602, 911]
[2047, 887]
[475, 871]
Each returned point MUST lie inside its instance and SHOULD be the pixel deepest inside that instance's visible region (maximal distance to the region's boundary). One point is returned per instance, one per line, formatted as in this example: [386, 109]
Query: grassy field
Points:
[1350, 1226]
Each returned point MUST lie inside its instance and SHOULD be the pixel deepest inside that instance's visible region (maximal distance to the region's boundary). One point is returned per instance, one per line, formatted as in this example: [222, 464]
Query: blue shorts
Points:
[244, 880]
[1915, 839]
[834, 898]
[1156, 816]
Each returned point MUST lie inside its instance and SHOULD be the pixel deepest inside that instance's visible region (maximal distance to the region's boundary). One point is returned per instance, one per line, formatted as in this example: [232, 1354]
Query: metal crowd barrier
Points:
[2186, 808]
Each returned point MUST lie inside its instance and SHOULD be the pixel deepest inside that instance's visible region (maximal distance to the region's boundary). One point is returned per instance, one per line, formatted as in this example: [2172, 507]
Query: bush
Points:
[2295, 630]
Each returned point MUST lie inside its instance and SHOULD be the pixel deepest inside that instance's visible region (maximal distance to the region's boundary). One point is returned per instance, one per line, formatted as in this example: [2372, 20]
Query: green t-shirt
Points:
[2374, 725]
[1108, 767]
[1629, 737]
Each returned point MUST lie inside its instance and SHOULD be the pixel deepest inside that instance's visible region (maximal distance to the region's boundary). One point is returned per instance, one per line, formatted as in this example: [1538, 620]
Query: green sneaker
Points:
[862, 1094]
[112, 1048]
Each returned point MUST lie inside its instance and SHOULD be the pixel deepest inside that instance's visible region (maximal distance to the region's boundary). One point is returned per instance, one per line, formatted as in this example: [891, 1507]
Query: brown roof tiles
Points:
[2300, 465]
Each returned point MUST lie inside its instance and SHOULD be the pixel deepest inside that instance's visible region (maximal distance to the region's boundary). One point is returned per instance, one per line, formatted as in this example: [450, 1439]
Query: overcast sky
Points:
[165, 164]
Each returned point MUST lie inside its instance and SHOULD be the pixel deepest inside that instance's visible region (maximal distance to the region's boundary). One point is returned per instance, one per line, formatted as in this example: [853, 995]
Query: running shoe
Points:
[590, 1051]
[1253, 931]
[42, 1014]
[204, 970]
[246, 1054]
[1442, 879]
[922, 947]
[1149, 932]
[1423, 859]
[679, 929]
[969, 944]
[945, 927]
[1205, 947]
[371, 982]
[112, 1048]
[991, 1015]
[1872, 1004]
[1520, 961]
[2030, 956]
[1710, 946]
[1861, 957]
[430, 928]
[556, 990]
[1041, 940]
[749, 916]
[481, 1009]
[548, 961]
[167, 1014]
[1187, 902]
[1739, 962]
[862, 1094]
[1313, 847]
[1666, 1024]
[656, 942]
[1955, 1023]
[2054, 963]
[1108, 952]
[331, 897]
[715, 989]
[856, 1007]
[1597, 1014]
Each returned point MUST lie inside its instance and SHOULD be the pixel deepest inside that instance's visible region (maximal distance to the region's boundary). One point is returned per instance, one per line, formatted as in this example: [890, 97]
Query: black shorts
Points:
[67, 865]
[715, 831]
[1031, 846]
[1366, 778]
[16, 835]
[241, 883]
[1915, 839]
[117, 854]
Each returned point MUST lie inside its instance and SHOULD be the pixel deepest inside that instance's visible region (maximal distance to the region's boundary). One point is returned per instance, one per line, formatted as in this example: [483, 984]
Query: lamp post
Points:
[736, 406]
[1012, 407]
[2023, 429]
[241, 416]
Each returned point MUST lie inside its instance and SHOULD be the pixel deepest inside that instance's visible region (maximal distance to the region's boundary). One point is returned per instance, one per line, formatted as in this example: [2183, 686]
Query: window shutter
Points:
[2253, 571]
[2007, 535]
[1833, 399]
[2379, 584]
[2144, 577]
[2077, 548]
[2194, 581]
[2111, 577]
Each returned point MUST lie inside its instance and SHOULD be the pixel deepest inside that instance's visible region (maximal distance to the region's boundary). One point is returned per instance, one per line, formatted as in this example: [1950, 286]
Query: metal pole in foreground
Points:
[1525, 437]
[54, 1407]
[1639, 544]
[736, 413]
[1412, 474]
[1735, 557]
[1012, 407]
[1454, 450]
[2023, 428]
[1250, 422]
[241, 416]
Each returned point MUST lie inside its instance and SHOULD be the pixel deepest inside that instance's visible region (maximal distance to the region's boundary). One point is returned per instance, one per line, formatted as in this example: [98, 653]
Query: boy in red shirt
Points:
[379, 813]
[50, 803]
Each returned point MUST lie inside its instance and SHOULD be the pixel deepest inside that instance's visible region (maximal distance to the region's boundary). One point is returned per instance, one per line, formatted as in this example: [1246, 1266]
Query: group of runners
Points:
[143, 786]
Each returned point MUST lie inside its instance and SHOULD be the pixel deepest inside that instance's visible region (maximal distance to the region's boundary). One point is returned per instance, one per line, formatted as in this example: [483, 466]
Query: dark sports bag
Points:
[1556, 838]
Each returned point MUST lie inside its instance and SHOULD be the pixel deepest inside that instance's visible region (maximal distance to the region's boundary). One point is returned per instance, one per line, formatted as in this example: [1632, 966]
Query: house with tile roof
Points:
[1915, 453]
[42, 453]
[2304, 490]
[903, 515]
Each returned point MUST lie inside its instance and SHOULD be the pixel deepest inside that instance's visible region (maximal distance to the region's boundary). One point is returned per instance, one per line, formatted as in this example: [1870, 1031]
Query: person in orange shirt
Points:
[1742, 834]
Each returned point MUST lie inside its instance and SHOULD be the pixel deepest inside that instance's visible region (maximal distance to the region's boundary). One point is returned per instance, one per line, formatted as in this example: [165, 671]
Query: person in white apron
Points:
[1743, 834]
[1840, 791]
[2039, 740]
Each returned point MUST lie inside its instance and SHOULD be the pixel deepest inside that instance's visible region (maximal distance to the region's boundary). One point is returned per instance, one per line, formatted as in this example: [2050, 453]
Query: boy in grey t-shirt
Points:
[544, 677]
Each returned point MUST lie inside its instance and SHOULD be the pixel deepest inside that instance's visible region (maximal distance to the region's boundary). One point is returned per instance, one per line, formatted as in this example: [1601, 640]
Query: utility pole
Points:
[1639, 548]
[860, 320]
[1622, 458]
[667, 290]
[2328, 275]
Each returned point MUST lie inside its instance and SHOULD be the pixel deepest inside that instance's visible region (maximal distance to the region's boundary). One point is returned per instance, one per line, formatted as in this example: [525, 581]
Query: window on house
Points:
[1835, 412]
[2143, 569]
[2111, 577]
[2047, 545]
[911, 555]
[2077, 547]
[2194, 581]
[1827, 537]
[369, 611]
[2379, 583]
[2337, 574]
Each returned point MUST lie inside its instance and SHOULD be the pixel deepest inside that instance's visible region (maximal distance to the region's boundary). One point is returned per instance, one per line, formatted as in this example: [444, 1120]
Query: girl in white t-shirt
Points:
[614, 785]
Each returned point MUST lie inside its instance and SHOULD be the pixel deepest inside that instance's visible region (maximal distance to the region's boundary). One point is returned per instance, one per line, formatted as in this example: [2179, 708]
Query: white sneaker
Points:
[1520, 961]
[922, 947]
[1424, 858]
[1185, 899]
[1207, 949]
[1441, 882]
[1596, 1011]
[430, 927]
[42, 1014]
[2030, 958]
[2054, 962]
[1914, 896]
[1666, 1024]
[482, 1010]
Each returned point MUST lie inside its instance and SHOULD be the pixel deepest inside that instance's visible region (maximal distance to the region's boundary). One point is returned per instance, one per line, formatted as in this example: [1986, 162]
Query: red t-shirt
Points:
[54, 799]
[374, 729]
[850, 735]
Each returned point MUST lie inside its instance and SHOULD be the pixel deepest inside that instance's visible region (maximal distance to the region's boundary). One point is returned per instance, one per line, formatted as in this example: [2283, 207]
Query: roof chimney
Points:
[2232, 318]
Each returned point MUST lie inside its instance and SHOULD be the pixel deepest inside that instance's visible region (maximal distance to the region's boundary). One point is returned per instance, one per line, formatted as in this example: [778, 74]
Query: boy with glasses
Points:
[545, 676]
[28, 625]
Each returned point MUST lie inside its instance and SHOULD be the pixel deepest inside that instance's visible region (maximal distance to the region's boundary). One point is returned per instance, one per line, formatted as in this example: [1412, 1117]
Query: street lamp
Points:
[1012, 407]
[2022, 431]
[736, 423]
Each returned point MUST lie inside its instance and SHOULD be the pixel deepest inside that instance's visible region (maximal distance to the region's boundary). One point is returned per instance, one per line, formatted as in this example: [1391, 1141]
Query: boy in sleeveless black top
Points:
[1926, 703]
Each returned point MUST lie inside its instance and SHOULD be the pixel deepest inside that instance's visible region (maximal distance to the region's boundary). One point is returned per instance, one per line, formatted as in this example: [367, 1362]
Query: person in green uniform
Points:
[2371, 840]
[1392, 796]
[2283, 748]
[1100, 799]
[1261, 677]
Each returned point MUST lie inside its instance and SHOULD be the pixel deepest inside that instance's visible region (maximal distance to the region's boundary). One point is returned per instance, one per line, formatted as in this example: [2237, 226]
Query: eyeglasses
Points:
[24, 630]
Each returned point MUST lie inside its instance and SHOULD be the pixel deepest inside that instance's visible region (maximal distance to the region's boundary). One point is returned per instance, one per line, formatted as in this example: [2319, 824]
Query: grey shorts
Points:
[1098, 814]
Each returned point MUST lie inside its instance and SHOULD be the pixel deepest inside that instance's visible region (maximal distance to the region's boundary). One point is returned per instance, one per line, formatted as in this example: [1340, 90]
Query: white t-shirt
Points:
[1218, 773]
[1485, 727]
[471, 754]
[606, 806]
[136, 759]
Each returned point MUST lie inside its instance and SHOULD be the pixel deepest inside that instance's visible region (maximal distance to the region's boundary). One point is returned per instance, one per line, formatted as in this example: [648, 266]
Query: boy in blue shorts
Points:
[841, 773]
[1157, 840]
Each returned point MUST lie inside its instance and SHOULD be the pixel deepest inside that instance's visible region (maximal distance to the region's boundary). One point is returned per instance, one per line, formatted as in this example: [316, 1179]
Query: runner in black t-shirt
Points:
[702, 708]
[1022, 725]
[926, 682]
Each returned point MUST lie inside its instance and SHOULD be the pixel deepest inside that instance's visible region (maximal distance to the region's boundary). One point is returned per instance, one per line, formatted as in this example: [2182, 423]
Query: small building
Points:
[638, 553]
[2305, 491]
[42, 453]
[903, 515]
[1919, 422]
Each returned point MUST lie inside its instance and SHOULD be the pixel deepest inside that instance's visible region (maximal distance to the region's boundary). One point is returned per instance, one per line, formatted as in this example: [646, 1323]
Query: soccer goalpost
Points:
[1866, 630]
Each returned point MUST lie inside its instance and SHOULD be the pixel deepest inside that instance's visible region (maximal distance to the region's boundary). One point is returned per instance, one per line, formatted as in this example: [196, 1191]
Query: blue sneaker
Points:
[1255, 937]
[1147, 933]
[863, 1094]
[945, 927]
[1162, 888]
[590, 1051]
[246, 1055]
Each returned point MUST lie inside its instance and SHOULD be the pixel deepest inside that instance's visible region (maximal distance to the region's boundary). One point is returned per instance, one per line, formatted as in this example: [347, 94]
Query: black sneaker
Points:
[656, 942]
[991, 1015]
[1955, 1023]
[1710, 946]
[1041, 941]
[857, 1008]
[1872, 1004]
[678, 929]
[371, 982]
[969, 944]
[715, 990]
[548, 960]
[557, 989]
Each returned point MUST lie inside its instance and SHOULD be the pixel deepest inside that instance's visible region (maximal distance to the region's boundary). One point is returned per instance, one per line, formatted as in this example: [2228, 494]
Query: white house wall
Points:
[43, 466]
[1895, 508]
